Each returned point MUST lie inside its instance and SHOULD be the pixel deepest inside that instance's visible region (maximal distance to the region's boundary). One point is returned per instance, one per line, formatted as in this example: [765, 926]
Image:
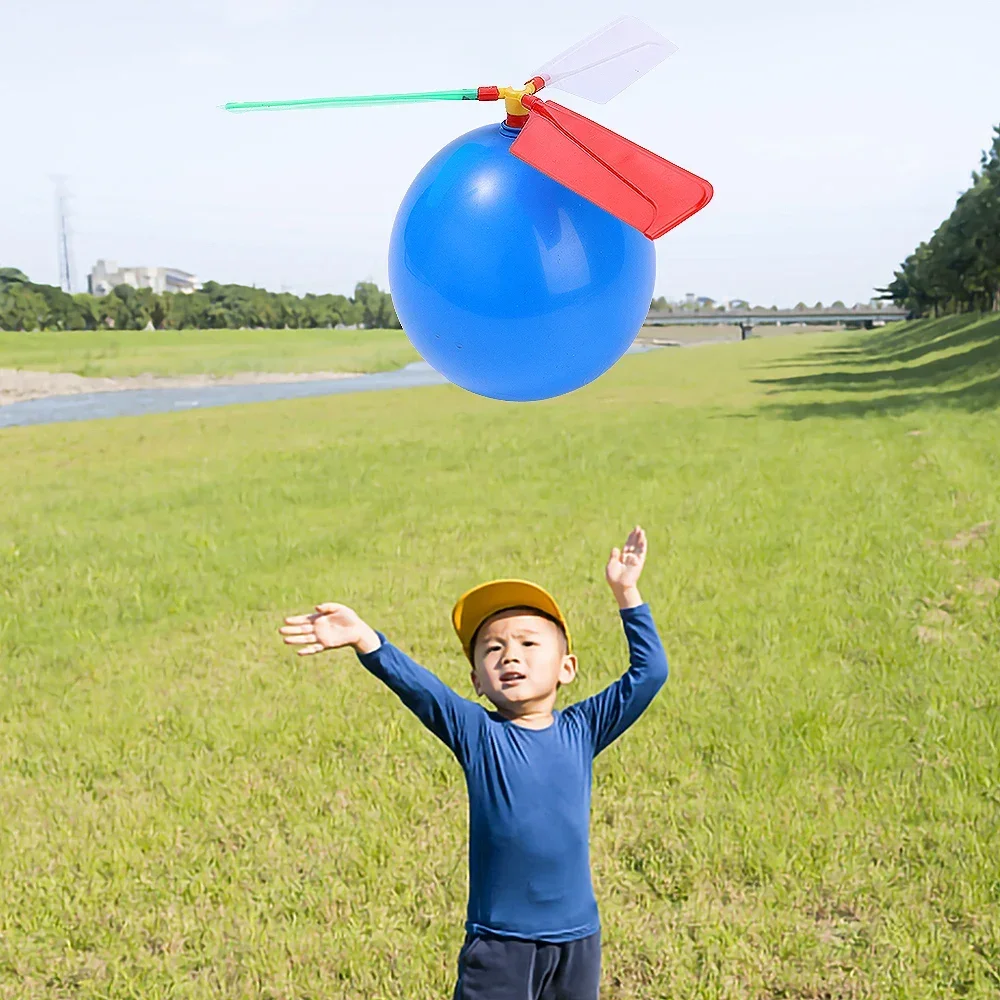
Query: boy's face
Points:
[521, 660]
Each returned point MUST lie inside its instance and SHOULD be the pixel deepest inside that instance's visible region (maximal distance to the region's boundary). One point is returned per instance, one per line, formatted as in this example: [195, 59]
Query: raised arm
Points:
[609, 713]
[454, 720]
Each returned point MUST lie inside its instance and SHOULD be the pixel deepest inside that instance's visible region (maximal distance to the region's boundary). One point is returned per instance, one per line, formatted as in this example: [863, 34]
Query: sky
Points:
[837, 133]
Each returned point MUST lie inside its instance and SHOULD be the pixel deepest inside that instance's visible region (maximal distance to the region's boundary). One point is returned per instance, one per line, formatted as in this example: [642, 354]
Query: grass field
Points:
[810, 809]
[116, 353]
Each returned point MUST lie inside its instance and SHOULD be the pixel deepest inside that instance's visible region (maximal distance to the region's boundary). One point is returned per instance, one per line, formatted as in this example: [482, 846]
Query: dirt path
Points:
[18, 385]
[694, 336]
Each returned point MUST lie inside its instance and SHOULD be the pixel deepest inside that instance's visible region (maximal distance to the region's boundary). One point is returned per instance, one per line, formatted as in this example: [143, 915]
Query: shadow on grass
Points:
[953, 361]
[900, 344]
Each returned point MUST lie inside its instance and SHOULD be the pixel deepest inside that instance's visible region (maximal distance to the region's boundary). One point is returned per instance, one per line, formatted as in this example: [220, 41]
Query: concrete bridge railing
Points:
[747, 319]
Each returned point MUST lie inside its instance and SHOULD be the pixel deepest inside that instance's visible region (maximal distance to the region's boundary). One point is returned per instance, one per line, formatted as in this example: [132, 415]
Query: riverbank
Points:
[213, 354]
[20, 385]
[21, 381]
[722, 333]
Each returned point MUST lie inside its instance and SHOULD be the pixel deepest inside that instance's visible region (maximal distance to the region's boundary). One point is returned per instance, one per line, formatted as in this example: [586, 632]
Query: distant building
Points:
[106, 274]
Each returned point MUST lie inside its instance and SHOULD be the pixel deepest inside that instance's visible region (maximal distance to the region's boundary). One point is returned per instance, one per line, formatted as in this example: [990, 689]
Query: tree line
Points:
[958, 268]
[26, 305]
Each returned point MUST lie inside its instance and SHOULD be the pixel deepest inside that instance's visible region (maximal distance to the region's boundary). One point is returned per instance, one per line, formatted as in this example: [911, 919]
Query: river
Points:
[136, 402]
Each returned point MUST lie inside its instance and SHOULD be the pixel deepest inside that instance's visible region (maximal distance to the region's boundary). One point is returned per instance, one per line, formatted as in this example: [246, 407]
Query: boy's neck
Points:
[540, 718]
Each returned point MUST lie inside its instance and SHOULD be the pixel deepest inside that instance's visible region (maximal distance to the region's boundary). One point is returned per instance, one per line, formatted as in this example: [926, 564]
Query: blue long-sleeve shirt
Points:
[529, 789]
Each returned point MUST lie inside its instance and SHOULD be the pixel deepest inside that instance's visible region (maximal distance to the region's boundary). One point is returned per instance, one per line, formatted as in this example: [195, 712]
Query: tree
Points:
[377, 312]
[21, 308]
[958, 268]
[88, 309]
[11, 276]
[24, 305]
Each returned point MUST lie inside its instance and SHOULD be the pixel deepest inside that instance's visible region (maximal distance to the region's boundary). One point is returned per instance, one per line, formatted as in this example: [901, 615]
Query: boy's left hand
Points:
[625, 566]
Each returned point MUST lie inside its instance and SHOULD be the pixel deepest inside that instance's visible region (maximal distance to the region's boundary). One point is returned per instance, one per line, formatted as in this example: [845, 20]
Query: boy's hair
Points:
[530, 610]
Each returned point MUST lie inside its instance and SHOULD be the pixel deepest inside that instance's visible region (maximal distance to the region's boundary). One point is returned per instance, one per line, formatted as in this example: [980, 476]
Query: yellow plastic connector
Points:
[512, 98]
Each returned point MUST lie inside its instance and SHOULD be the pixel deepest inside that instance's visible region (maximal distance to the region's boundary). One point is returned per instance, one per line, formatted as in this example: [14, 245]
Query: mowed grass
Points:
[809, 809]
[116, 353]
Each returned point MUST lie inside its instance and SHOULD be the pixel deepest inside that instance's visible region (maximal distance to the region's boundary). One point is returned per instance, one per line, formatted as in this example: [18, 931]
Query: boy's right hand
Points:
[330, 627]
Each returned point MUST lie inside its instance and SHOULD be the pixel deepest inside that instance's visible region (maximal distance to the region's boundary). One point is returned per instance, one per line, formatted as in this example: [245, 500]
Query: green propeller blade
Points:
[353, 102]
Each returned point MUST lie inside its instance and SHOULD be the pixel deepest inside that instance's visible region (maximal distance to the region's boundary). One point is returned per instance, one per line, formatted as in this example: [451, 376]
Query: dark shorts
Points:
[495, 968]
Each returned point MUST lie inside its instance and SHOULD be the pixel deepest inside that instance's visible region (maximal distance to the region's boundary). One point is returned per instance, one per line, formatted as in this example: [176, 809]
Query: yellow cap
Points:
[476, 605]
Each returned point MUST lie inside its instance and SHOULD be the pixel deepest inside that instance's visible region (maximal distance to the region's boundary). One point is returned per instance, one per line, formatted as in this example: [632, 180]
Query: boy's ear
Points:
[568, 668]
[475, 682]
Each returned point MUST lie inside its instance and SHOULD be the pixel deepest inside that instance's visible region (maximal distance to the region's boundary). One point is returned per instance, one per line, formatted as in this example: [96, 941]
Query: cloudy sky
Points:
[837, 133]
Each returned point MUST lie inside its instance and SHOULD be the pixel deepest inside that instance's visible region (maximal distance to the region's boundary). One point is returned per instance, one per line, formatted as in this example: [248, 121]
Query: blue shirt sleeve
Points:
[610, 712]
[454, 720]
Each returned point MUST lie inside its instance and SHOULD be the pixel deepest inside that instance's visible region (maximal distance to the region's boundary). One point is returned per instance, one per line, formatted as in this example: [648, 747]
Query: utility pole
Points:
[62, 234]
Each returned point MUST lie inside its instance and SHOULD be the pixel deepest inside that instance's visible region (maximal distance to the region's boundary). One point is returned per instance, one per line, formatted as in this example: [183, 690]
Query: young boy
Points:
[532, 928]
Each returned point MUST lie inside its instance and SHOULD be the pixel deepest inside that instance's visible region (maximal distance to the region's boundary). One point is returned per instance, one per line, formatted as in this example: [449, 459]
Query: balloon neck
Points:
[517, 113]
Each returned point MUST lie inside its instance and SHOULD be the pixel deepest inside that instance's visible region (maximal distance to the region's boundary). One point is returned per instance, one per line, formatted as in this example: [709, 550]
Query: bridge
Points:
[747, 319]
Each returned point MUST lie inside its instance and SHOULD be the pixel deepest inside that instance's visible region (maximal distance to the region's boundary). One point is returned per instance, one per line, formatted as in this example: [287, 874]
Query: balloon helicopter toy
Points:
[526, 276]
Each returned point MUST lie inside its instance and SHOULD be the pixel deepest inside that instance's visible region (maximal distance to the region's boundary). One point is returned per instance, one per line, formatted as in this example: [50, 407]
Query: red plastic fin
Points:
[488, 94]
[633, 184]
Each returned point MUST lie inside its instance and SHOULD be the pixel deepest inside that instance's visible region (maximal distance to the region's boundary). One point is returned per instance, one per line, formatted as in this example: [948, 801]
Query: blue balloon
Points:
[509, 284]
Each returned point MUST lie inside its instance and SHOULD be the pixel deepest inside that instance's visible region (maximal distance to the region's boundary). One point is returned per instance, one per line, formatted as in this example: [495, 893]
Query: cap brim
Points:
[478, 604]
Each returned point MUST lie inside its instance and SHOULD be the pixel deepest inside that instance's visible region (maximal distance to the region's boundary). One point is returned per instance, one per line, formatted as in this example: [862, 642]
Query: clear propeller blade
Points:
[603, 65]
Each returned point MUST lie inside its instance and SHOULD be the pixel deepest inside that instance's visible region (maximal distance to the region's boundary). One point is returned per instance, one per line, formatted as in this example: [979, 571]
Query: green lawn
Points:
[196, 352]
[810, 809]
